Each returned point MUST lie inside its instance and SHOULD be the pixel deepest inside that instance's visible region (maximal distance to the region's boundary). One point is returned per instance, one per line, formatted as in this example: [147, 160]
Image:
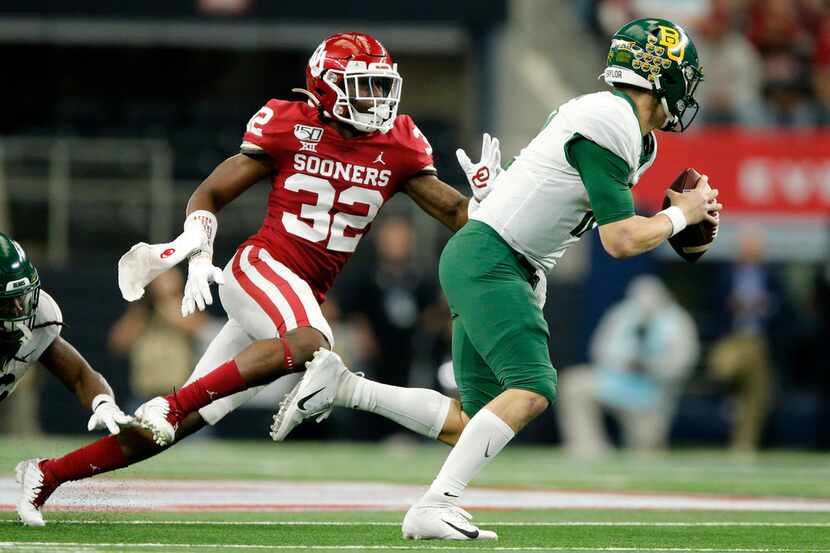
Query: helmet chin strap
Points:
[375, 120]
[382, 110]
[671, 120]
[312, 100]
[311, 97]
[361, 125]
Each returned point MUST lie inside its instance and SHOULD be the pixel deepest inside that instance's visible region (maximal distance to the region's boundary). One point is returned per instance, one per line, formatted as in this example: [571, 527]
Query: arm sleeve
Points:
[419, 149]
[605, 176]
[258, 139]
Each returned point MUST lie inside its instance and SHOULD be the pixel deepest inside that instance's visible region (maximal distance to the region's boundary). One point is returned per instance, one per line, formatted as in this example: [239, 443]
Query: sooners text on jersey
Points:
[326, 189]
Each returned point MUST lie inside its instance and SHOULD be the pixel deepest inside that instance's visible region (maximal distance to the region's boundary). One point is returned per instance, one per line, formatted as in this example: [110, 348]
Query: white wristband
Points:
[675, 215]
[205, 223]
[101, 398]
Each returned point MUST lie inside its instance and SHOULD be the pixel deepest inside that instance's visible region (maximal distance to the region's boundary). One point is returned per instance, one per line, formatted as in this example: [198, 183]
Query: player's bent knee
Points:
[538, 381]
[530, 403]
[537, 404]
[454, 424]
[303, 342]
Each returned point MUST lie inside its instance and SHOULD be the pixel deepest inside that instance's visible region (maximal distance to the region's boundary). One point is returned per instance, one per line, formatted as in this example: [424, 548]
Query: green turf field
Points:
[771, 474]
[519, 531]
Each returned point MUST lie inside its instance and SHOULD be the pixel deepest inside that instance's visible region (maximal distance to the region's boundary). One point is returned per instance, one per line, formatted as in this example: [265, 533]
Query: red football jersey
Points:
[326, 189]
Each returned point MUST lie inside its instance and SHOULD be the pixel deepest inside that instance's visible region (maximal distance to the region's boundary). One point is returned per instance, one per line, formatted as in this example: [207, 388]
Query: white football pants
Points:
[263, 299]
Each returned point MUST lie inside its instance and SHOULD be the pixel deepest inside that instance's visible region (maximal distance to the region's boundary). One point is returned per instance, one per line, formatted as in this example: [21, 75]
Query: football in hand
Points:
[693, 241]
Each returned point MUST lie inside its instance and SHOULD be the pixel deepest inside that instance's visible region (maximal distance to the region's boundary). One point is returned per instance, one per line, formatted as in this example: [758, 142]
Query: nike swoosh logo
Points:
[472, 534]
[448, 494]
[487, 450]
[301, 404]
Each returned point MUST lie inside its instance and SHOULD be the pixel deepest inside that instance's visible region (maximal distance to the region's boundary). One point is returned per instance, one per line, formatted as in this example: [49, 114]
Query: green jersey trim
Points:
[648, 140]
[649, 144]
[605, 177]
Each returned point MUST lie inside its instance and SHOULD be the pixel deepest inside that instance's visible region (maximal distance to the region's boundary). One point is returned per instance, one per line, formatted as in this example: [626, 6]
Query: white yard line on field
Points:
[348, 523]
[17, 546]
[275, 496]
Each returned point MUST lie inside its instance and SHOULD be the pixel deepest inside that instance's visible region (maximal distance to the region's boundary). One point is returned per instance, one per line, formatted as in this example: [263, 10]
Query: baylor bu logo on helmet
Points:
[657, 55]
[353, 78]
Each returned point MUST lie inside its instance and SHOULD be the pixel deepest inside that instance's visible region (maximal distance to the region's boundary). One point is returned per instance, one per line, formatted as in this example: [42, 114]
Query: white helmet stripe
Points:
[617, 74]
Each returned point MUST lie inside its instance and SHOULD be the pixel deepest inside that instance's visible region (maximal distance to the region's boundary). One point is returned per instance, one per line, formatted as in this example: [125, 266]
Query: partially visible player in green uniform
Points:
[576, 174]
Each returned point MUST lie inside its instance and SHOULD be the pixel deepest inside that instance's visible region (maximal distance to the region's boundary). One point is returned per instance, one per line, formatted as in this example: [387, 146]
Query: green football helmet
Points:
[19, 293]
[657, 55]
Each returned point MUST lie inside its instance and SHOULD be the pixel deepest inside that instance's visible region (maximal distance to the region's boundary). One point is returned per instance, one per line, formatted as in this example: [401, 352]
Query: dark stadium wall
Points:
[467, 12]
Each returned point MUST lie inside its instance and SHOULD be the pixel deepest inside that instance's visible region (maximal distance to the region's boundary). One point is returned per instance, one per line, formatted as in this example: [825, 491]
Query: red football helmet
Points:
[354, 79]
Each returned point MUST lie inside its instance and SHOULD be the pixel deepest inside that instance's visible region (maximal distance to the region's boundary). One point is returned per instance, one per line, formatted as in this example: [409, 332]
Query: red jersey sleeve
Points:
[262, 134]
[418, 147]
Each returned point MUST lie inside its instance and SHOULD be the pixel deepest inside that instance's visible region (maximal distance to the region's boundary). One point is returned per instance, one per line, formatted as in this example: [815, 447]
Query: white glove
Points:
[541, 288]
[106, 414]
[144, 262]
[201, 273]
[483, 174]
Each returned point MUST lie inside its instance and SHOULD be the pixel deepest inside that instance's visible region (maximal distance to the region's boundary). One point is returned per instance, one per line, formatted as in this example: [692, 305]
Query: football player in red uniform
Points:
[333, 160]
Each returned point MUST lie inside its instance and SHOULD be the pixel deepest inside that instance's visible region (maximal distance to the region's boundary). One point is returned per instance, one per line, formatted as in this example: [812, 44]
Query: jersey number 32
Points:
[316, 223]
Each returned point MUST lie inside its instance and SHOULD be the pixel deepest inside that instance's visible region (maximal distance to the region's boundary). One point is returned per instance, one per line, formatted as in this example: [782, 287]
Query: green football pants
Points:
[500, 338]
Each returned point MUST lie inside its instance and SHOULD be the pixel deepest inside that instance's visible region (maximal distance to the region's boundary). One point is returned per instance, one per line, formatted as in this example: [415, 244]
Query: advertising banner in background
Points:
[778, 181]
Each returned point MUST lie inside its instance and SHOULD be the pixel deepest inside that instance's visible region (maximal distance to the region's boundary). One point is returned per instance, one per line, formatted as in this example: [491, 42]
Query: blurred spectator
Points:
[821, 63]
[822, 305]
[641, 353]
[742, 359]
[389, 300]
[781, 35]
[783, 79]
[613, 14]
[354, 343]
[162, 346]
[731, 91]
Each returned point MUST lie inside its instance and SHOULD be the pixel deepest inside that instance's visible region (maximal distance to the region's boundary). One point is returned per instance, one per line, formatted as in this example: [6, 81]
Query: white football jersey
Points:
[43, 334]
[539, 205]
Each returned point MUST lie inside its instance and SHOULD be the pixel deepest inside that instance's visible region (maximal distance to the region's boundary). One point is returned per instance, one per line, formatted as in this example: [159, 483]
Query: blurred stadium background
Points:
[115, 111]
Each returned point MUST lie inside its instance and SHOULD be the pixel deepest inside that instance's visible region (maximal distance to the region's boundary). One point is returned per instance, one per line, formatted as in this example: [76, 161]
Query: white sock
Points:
[482, 439]
[418, 409]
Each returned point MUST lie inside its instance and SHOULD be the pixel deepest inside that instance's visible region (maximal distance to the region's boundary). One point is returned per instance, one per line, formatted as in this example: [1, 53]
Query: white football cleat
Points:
[442, 522]
[313, 396]
[34, 491]
[155, 417]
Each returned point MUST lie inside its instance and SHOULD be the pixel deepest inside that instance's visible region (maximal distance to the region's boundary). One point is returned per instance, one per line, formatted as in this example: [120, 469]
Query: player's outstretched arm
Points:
[439, 200]
[230, 179]
[636, 234]
[445, 203]
[623, 233]
[92, 389]
[144, 262]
